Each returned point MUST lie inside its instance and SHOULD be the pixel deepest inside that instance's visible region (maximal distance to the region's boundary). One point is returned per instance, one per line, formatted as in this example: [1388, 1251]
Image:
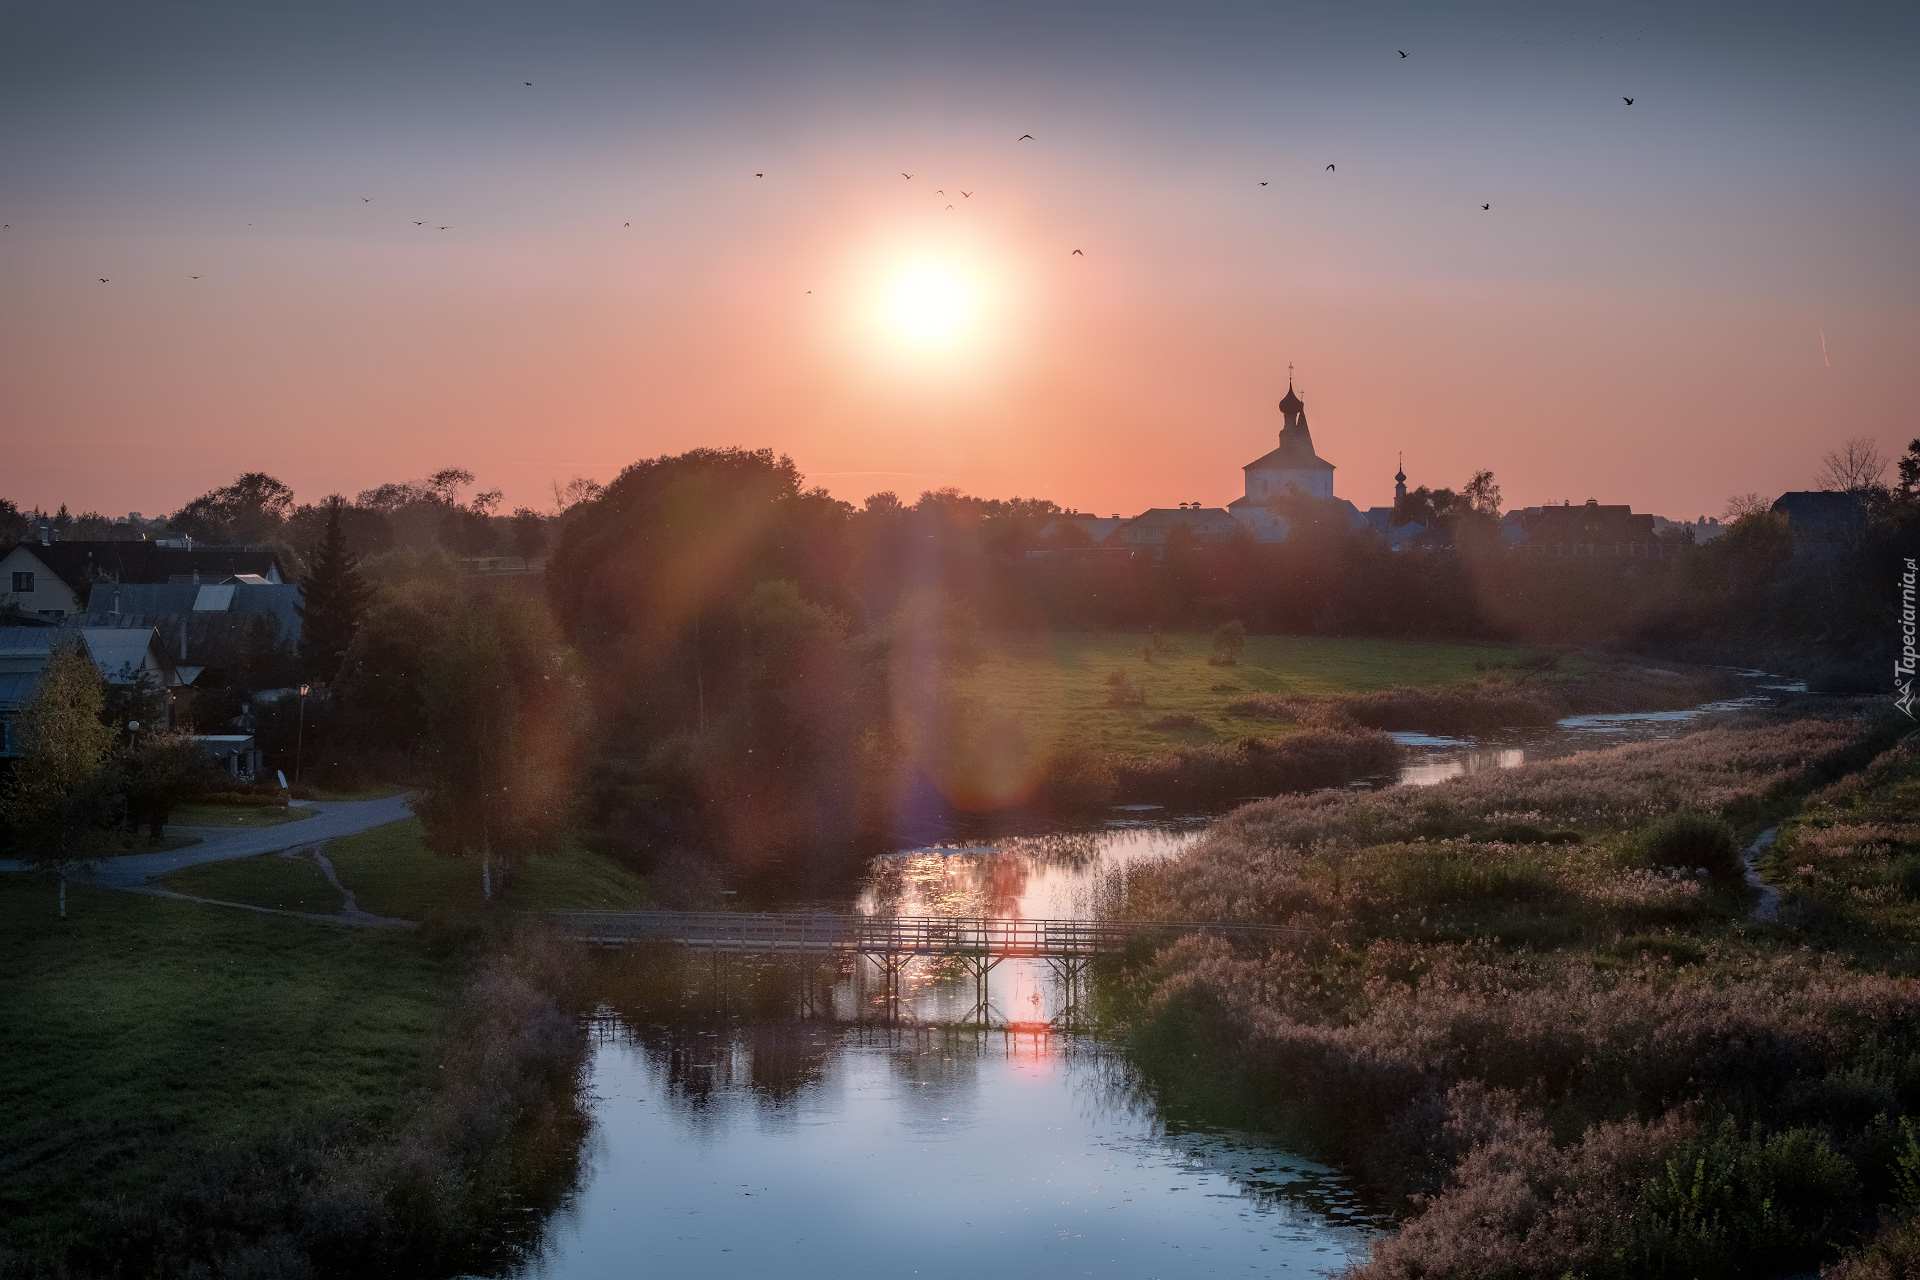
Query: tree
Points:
[1909, 471]
[60, 799]
[334, 600]
[1855, 467]
[255, 506]
[1482, 495]
[13, 524]
[504, 722]
[1742, 505]
[164, 767]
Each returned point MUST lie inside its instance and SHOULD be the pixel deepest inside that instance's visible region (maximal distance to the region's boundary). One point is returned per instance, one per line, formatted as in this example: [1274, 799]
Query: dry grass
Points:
[1560, 1059]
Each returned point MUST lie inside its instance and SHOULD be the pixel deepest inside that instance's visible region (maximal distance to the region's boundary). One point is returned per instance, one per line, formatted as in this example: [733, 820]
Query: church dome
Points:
[1292, 404]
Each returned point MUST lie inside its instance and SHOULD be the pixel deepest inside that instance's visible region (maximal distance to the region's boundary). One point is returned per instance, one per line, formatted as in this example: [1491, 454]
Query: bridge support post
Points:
[892, 965]
[1072, 972]
[978, 965]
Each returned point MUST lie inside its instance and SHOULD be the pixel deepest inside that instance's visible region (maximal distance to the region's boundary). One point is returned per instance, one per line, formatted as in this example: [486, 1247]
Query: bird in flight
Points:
[1025, 137]
[1401, 52]
[419, 224]
[966, 195]
[103, 279]
[1263, 184]
[1628, 101]
[1329, 168]
[527, 83]
[759, 175]
[193, 277]
[908, 176]
[1486, 206]
[1076, 254]
[626, 224]
[446, 228]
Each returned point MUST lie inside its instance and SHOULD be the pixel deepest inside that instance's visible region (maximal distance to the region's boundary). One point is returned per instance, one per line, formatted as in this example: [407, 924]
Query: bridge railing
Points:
[814, 932]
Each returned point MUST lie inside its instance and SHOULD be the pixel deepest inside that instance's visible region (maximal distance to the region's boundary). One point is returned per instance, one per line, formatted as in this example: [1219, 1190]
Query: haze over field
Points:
[408, 256]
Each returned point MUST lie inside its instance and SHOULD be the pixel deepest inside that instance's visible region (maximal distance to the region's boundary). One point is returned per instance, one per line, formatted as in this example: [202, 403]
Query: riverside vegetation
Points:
[1534, 1011]
[189, 1089]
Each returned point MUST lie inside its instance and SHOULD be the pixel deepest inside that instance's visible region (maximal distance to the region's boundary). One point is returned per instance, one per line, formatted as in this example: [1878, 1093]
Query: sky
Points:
[350, 243]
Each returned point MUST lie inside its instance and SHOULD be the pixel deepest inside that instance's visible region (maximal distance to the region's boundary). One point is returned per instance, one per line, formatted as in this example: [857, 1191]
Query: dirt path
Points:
[1768, 908]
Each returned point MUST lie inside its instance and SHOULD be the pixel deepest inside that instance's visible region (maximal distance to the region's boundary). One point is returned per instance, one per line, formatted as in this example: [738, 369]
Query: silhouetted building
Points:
[1589, 529]
[1824, 515]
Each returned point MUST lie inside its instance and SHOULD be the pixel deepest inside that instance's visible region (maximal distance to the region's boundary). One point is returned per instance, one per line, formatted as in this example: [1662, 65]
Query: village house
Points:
[51, 579]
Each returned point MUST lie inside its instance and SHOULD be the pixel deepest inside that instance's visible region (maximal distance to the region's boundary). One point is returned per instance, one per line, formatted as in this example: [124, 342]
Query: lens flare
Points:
[929, 305]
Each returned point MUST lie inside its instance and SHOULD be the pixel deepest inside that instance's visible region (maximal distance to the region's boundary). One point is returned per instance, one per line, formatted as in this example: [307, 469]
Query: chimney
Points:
[46, 536]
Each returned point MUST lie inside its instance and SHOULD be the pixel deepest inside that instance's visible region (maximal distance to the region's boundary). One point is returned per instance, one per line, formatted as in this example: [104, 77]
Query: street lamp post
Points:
[300, 736]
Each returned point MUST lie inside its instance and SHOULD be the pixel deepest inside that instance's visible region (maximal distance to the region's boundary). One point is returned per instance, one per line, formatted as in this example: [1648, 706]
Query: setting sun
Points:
[929, 304]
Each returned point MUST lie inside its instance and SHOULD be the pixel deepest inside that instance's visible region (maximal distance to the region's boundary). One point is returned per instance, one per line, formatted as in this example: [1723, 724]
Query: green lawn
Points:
[237, 815]
[1058, 685]
[392, 873]
[142, 1031]
[270, 880]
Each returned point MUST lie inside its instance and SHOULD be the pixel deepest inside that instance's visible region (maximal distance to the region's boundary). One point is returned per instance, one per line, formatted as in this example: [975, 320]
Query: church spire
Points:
[1400, 481]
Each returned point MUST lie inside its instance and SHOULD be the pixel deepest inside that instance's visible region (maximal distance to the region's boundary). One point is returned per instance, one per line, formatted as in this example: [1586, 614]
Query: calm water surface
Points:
[847, 1135]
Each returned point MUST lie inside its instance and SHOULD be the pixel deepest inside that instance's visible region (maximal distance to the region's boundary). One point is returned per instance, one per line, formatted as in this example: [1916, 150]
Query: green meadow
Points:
[1057, 686]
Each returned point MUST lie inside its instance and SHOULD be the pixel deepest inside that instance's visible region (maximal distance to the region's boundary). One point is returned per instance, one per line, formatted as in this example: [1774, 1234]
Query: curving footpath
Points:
[222, 844]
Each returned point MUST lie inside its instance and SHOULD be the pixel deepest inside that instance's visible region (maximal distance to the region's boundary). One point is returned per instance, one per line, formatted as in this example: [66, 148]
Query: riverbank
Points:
[1536, 1014]
[186, 1085]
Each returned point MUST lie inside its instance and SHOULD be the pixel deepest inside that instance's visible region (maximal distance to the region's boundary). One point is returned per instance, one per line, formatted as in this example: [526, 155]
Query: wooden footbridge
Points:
[979, 943]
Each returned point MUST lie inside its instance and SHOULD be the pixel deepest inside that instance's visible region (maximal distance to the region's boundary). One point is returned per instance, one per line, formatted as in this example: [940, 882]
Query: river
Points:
[734, 1137]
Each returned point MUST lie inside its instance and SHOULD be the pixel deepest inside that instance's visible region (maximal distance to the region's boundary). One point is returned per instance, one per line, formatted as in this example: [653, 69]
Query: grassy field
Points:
[392, 873]
[237, 815]
[270, 880]
[141, 1031]
[1059, 685]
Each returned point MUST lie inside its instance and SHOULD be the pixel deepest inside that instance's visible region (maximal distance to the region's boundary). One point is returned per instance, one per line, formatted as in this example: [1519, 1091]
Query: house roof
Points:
[27, 642]
[1821, 509]
[1169, 516]
[1292, 455]
[16, 688]
[121, 652]
[79, 564]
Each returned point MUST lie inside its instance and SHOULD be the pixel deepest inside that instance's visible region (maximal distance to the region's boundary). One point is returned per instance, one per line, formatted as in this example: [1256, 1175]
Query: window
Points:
[23, 581]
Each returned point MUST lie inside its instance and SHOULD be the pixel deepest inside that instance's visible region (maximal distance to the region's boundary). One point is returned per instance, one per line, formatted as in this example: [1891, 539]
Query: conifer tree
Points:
[335, 599]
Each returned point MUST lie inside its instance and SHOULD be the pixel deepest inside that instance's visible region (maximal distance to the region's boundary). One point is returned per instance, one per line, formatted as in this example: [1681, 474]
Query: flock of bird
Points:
[965, 195]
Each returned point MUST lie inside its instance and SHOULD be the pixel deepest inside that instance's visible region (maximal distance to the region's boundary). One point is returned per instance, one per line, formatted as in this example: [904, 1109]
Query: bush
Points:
[1688, 839]
[1178, 720]
[1229, 642]
[1262, 706]
[1724, 1201]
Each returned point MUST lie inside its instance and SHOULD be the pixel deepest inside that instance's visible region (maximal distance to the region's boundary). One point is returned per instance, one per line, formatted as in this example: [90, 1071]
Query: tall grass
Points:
[1560, 1059]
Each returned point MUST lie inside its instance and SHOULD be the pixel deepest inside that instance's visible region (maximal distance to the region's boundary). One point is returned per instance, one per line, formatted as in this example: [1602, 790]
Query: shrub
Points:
[1229, 642]
[1724, 1200]
[1124, 691]
[1178, 720]
[1687, 839]
[1262, 706]
[1510, 832]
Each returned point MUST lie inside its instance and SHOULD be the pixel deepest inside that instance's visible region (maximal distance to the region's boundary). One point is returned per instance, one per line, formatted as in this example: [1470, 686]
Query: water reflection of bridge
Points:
[1068, 947]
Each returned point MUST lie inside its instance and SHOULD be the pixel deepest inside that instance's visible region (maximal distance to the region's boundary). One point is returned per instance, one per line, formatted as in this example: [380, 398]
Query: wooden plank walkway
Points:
[815, 933]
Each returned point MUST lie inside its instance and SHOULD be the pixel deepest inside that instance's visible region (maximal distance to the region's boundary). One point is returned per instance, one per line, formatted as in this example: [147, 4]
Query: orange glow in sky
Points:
[347, 260]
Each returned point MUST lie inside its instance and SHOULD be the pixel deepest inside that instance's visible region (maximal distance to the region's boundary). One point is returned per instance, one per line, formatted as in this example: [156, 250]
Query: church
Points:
[1291, 467]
